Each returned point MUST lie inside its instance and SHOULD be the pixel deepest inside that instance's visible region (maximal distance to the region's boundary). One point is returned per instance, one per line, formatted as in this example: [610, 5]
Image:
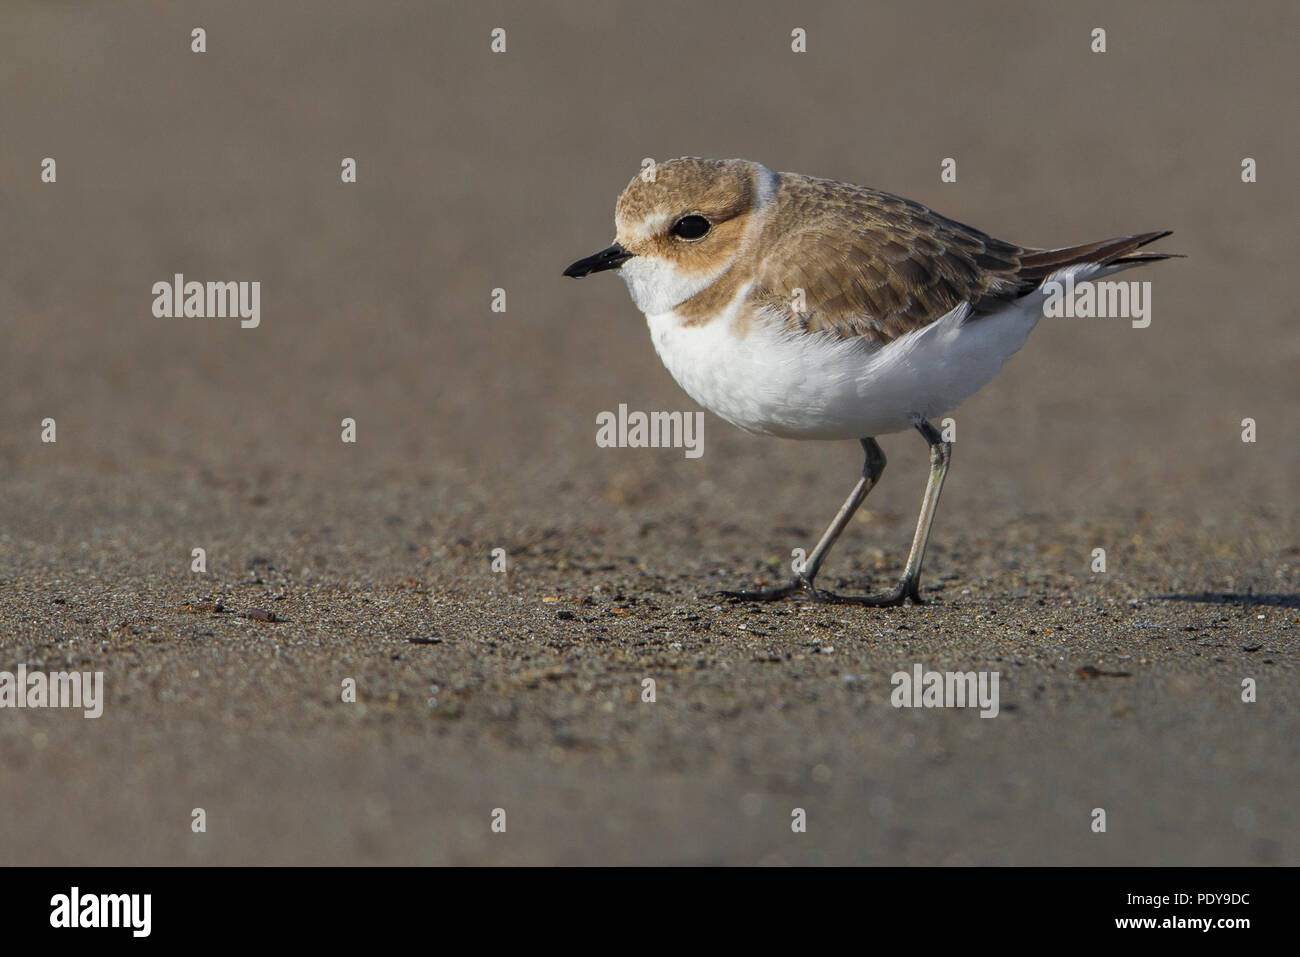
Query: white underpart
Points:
[765, 379]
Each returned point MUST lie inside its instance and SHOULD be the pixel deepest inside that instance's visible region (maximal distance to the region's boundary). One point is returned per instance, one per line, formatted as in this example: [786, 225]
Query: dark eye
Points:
[690, 227]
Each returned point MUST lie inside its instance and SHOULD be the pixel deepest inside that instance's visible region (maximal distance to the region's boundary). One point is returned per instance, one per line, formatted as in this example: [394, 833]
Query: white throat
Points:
[657, 286]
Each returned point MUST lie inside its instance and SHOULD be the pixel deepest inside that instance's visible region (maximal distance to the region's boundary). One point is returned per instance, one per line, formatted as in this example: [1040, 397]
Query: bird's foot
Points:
[801, 589]
[895, 599]
[797, 588]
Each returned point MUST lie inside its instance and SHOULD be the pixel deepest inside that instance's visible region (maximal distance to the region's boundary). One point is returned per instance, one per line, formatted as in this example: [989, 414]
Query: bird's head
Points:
[679, 226]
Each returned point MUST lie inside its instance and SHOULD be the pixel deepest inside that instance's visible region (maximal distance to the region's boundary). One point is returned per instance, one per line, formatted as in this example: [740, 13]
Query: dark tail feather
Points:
[1144, 258]
[1037, 264]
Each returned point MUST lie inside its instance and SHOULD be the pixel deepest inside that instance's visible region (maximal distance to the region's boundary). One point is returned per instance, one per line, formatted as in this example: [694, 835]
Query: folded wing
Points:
[874, 266]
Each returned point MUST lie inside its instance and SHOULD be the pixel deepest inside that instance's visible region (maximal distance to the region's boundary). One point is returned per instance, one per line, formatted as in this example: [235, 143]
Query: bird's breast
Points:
[743, 366]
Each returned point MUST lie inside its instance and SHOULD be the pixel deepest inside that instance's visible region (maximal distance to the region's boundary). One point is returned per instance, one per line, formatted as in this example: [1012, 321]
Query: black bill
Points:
[610, 258]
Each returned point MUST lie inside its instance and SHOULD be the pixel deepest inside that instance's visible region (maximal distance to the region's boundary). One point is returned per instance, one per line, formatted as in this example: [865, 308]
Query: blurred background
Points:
[481, 170]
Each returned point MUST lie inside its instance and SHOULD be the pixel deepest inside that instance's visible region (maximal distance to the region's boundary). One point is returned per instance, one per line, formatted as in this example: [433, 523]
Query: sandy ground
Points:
[476, 431]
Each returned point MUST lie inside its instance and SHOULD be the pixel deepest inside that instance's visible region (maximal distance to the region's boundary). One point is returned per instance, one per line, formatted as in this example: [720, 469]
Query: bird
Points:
[808, 308]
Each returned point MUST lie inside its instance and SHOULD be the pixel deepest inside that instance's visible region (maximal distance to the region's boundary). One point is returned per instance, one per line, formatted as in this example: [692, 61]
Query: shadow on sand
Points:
[1235, 598]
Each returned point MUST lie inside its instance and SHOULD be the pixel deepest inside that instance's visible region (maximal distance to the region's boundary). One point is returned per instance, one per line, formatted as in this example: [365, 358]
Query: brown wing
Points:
[876, 266]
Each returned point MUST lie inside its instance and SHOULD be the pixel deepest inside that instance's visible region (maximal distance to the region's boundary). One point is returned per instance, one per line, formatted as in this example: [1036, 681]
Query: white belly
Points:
[816, 387]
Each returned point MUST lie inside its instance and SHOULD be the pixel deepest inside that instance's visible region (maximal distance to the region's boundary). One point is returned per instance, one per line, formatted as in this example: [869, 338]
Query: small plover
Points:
[813, 309]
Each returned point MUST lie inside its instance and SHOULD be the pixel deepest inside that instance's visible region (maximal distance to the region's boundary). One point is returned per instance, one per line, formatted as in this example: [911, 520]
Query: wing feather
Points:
[876, 266]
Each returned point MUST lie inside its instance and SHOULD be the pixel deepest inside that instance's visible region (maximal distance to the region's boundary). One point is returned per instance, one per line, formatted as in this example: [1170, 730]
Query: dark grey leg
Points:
[940, 456]
[909, 586]
[872, 467]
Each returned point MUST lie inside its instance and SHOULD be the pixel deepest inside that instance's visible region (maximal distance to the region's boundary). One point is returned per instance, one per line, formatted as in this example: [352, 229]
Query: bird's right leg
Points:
[802, 583]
